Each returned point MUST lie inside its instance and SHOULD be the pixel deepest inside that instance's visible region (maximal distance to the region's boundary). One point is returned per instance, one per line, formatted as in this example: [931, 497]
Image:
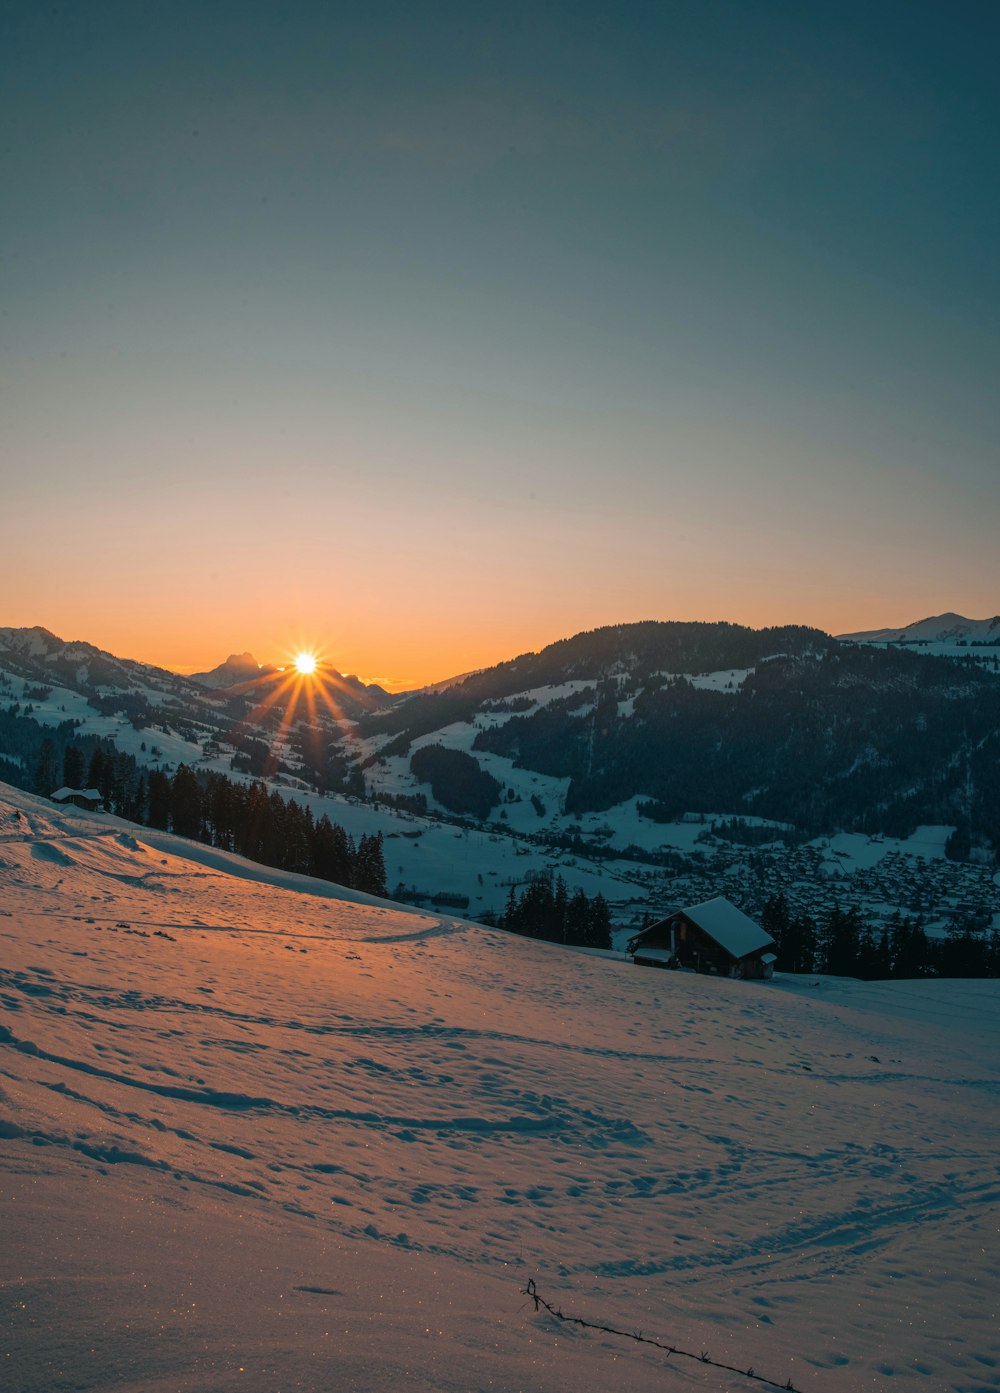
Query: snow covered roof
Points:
[93, 795]
[730, 928]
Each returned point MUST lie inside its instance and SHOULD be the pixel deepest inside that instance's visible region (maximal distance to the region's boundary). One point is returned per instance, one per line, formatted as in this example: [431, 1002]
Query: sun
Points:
[305, 664]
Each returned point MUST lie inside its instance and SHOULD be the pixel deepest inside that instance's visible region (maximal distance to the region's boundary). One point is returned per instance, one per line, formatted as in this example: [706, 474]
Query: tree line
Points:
[210, 808]
[545, 909]
[845, 945]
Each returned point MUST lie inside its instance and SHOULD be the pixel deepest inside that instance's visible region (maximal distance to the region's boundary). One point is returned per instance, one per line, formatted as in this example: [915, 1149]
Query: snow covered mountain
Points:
[237, 690]
[939, 629]
[257, 1133]
[40, 656]
[655, 764]
[788, 725]
[238, 667]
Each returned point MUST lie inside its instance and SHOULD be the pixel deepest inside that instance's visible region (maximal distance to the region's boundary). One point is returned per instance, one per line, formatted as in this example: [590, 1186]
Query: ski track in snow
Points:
[804, 1176]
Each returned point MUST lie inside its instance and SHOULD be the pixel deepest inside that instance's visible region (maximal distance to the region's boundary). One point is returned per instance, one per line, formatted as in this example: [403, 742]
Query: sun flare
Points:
[305, 663]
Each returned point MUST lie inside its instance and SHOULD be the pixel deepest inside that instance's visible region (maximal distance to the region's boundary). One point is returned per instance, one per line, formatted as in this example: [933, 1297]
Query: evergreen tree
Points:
[123, 786]
[560, 929]
[775, 920]
[186, 800]
[141, 800]
[46, 779]
[95, 770]
[841, 942]
[808, 942]
[252, 829]
[577, 921]
[509, 918]
[537, 909]
[274, 831]
[221, 808]
[73, 766]
[909, 949]
[796, 950]
[296, 851]
[100, 775]
[369, 866]
[331, 855]
[883, 958]
[599, 927]
[160, 791]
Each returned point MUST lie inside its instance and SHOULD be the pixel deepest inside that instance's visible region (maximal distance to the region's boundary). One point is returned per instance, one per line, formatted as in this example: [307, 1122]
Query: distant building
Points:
[90, 799]
[712, 937]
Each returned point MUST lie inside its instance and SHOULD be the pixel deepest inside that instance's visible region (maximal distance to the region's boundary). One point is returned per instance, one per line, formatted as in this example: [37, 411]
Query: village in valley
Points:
[883, 878]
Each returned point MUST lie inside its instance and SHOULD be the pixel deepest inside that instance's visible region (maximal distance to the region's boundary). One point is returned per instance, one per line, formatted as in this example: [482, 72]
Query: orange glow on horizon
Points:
[428, 634]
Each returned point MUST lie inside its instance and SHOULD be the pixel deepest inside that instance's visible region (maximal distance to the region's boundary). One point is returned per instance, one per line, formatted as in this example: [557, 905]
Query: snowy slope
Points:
[942, 635]
[257, 1136]
[428, 856]
[939, 628]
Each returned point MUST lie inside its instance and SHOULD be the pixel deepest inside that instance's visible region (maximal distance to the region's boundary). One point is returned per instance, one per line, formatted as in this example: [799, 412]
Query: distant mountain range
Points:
[787, 724]
[241, 674]
[40, 656]
[238, 668]
[940, 628]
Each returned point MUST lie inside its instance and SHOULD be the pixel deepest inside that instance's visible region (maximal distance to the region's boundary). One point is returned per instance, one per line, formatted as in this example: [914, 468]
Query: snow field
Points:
[255, 1135]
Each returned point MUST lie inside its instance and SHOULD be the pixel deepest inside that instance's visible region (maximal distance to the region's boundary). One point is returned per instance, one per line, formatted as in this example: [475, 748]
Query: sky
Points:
[424, 334]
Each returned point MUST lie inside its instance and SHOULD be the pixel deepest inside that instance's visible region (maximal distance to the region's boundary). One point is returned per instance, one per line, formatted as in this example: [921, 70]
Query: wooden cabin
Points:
[89, 799]
[713, 937]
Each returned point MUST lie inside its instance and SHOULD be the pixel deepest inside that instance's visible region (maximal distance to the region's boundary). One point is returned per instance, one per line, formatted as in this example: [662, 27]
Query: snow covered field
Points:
[258, 1134]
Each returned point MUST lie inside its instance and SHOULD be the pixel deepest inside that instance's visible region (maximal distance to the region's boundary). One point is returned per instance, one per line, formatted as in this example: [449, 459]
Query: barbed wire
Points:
[531, 1291]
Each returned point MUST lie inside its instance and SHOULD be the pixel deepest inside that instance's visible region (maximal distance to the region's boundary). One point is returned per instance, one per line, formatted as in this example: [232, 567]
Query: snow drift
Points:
[256, 1137]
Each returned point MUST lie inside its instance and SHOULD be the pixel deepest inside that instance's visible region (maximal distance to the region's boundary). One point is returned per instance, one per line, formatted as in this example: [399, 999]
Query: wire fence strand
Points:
[531, 1291]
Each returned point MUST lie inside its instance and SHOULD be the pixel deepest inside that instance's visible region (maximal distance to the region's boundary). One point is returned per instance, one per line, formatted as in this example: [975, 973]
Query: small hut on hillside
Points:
[712, 937]
[89, 798]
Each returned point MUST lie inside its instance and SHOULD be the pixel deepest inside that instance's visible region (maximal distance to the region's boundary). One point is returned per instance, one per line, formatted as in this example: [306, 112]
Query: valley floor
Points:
[257, 1136]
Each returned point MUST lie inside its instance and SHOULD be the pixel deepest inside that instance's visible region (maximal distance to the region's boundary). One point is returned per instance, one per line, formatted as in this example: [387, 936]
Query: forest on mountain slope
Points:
[633, 651]
[852, 738]
[808, 730]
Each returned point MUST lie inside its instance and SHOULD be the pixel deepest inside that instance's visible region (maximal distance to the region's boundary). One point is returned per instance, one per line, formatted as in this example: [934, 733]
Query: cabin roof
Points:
[735, 932]
[730, 928]
[93, 795]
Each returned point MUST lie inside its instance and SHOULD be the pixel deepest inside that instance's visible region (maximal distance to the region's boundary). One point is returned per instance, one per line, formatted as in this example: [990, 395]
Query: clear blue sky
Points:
[428, 334]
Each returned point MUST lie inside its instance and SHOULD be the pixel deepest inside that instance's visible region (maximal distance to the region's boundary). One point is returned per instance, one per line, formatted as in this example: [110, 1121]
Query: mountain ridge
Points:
[938, 628]
[238, 667]
[787, 724]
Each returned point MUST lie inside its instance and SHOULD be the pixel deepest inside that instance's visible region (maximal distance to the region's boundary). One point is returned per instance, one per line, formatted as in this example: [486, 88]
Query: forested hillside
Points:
[876, 741]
